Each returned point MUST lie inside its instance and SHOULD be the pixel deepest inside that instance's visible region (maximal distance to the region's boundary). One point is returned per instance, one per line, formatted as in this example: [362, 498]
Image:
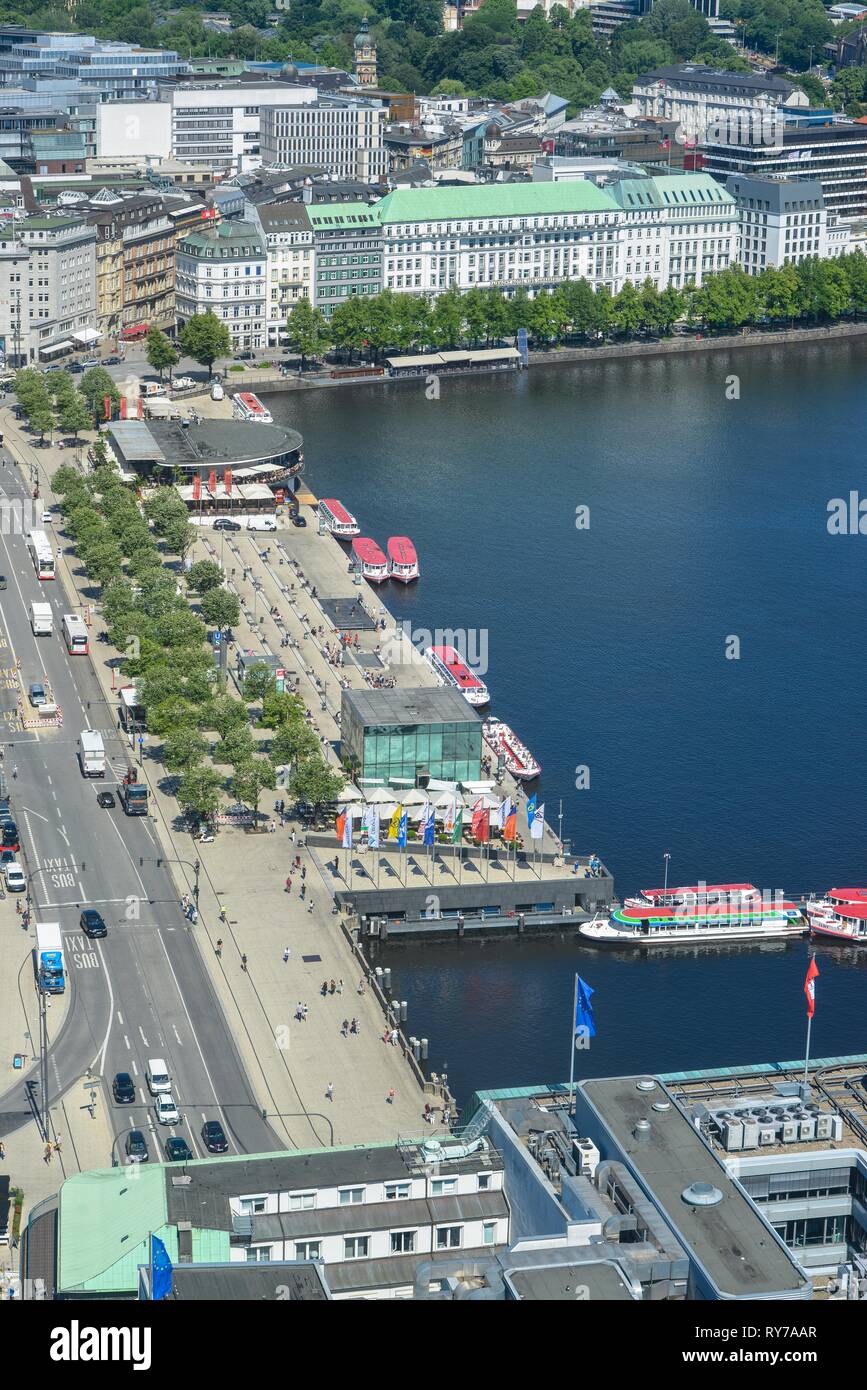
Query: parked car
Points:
[47, 518]
[245, 356]
[166, 1111]
[182, 383]
[261, 523]
[105, 799]
[217, 392]
[136, 1147]
[214, 1138]
[223, 523]
[90, 362]
[298, 519]
[75, 368]
[8, 833]
[14, 876]
[123, 1088]
[3, 582]
[178, 1150]
[92, 923]
[7, 856]
[112, 361]
[36, 694]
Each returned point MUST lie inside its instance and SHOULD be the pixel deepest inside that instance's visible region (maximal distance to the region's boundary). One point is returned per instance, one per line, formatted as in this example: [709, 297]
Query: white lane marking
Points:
[80, 888]
[66, 838]
[143, 1038]
[128, 853]
[104, 1048]
[177, 1035]
[120, 1018]
[48, 780]
[134, 1066]
[126, 1041]
[195, 1039]
[35, 813]
[94, 902]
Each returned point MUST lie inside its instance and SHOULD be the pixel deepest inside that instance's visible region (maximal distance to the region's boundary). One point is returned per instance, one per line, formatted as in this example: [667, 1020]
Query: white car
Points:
[47, 518]
[14, 875]
[166, 1110]
[182, 383]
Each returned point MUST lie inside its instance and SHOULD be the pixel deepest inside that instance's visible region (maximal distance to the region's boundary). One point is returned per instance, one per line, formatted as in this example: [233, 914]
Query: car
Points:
[9, 834]
[182, 383]
[7, 856]
[90, 362]
[223, 523]
[105, 799]
[123, 1088]
[261, 523]
[214, 1138]
[47, 518]
[136, 1147]
[178, 1150]
[92, 923]
[298, 520]
[36, 694]
[245, 356]
[3, 582]
[14, 876]
[167, 1112]
[114, 361]
[54, 367]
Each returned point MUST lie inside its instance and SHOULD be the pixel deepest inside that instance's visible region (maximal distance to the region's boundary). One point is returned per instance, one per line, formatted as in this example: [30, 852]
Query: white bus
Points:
[74, 635]
[41, 554]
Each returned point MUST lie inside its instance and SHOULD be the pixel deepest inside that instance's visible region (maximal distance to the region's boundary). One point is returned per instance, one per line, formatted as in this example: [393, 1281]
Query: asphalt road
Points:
[142, 991]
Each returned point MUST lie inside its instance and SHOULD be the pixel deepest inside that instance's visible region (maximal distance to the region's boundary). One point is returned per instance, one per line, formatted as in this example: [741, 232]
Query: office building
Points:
[288, 237]
[411, 735]
[705, 103]
[782, 222]
[48, 289]
[834, 154]
[107, 69]
[223, 272]
[342, 135]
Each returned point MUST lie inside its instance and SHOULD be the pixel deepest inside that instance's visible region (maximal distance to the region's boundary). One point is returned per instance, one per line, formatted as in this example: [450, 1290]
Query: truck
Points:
[91, 753]
[50, 970]
[41, 619]
[133, 794]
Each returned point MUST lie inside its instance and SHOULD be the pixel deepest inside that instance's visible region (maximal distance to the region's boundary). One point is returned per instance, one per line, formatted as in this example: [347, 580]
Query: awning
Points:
[134, 331]
[56, 347]
[87, 335]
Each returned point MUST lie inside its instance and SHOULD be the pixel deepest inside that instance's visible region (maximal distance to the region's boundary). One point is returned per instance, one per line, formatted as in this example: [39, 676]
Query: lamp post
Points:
[194, 865]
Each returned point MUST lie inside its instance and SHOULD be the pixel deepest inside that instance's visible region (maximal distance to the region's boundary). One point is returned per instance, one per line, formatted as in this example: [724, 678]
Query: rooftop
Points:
[229, 238]
[437, 705]
[208, 444]
[699, 74]
[493, 200]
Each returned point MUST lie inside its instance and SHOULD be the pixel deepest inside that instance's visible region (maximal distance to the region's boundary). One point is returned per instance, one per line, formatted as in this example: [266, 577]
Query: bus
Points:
[337, 519]
[41, 554]
[74, 635]
[246, 406]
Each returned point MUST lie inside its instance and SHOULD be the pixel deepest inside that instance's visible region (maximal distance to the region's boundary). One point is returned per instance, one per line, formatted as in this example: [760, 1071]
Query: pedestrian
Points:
[324, 989]
[292, 838]
[390, 1097]
[303, 872]
[223, 915]
[299, 1011]
[304, 1012]
[310, 906]
[46, 1153]
[332, 987]
[2, 1150]
[344, 1028]
[243, 962]
[219, 946]
[272, 826]
[57, 1149]
[303, 892]
[339, 986]
[353, 1027]
[288, 888]
[329, 1091]
[359, 988]
[286, 954]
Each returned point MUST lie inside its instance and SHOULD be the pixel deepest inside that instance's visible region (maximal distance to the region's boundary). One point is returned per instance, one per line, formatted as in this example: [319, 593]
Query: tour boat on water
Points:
[246, 406]
[402, 559]
[339, 521]
[455, 672]
[370, 559]
[841, 914]
[519, 760]
[709, 912]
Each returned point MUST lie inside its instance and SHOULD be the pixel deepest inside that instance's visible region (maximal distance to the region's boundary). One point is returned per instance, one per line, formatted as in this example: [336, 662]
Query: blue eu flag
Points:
[583, 1008]
[162, 1269]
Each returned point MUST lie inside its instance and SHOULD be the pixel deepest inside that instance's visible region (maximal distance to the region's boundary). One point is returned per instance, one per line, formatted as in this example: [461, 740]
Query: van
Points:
[157, 1076]
[153, 388]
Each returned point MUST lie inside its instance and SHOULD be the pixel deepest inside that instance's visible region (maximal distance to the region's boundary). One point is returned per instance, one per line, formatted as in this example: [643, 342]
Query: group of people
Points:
[189, 909]
[379, 681]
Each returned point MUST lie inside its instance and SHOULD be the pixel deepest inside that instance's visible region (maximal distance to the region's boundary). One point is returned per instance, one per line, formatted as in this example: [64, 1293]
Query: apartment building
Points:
[704, 102]
[343, 136]
[347, 247]
[224, 272]
[288, 237]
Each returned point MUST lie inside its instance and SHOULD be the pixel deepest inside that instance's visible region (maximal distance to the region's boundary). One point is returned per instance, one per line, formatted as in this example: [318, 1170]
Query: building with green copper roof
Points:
[493, 200]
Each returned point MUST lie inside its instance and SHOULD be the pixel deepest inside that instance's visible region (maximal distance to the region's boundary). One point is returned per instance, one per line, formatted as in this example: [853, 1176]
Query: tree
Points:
[204, 337]
[74, 415]
[103, 561]
[314, 781]
[221, 609]
[179, 535]
[307, 330]
[160, 352]
[626, 317]
[225, 714]
[258, 681]
[251, 779]
[200, 791]
[294, 742]
[236, 747]
[183, 748]
[96, 384]
[41, 420]
[349, 325]
[279, 707]
[204, 575]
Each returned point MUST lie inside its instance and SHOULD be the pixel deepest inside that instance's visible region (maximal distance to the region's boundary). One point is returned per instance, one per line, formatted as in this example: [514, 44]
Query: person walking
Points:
[286, 954]
[303, 872]
[310, 906]
[359, 988]
[219, 946]
[332, 988]
[244, 963]
[288, 887]
[2, 1151]
[224, 916]
[292, 838]
[390, 1097]
[46, 1154]
[339, 986]
[303, 892]
[329, 1091]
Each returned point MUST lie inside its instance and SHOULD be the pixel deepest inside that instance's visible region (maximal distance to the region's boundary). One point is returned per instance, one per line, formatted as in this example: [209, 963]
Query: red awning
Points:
[137, 330]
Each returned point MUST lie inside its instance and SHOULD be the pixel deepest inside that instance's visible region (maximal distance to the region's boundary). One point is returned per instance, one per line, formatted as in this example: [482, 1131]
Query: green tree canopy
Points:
[205, 338]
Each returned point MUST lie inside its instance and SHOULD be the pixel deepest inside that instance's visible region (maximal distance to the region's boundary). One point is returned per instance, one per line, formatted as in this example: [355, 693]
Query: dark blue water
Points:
[607, 650]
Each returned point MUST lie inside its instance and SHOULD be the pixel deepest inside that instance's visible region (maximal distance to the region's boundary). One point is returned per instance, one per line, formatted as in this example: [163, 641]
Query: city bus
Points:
[75, 635]
[338, 520]
[41, 554]
[246, 406]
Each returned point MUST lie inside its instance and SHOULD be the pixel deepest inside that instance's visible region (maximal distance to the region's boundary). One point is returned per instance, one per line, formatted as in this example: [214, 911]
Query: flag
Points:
[372, 820]
[394, 823]
[161, 1265]
[499, 817]
[531, 809]
[458, 827]
[810, 987]
[510, 825]
[340, 825]
[106, 405]
[537, 828]
[401, 831]
[665, 144]
[481, 824]
[197, 487]
[227, 479]
[429, 826]
[346, 832]
[451, 811]
[212, 482]
[584, 1009]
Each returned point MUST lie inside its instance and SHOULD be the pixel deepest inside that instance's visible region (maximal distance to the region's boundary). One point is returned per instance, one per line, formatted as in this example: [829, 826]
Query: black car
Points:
[178, 1151]
[3, 581]
[105, 799]
[92, 923]
[123, 1088]
[298, 520]
[112, 361]
[223, 523]
[214, 1138]
[9, 834]
[245, 356]
[75, 368]
[136, 1147]
[7, 856]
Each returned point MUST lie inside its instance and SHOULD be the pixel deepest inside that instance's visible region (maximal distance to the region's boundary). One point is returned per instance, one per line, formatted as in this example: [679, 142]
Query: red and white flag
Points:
[810, 987]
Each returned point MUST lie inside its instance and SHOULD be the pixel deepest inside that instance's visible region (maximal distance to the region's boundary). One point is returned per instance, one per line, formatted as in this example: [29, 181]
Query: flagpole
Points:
[572, 1058]
[807, 1055]
[811, 999]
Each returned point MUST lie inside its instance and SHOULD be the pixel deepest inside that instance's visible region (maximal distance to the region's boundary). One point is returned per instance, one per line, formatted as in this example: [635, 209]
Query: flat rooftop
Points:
[288, 1281]
[729, 1239]
[208, 444]
[404, 705]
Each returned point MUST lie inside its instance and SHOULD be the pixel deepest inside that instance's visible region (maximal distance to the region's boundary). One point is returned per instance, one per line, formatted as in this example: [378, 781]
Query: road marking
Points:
[143, 1038]
[120, 1018]
[63, 833]
[95, 902]
[126, 1041]
[80, 888]
[177, 1035]
[104, 1048]
[35, 813]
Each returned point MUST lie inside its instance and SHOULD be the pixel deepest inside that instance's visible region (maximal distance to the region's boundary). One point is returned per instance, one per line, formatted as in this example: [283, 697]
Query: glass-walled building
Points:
[411, 734]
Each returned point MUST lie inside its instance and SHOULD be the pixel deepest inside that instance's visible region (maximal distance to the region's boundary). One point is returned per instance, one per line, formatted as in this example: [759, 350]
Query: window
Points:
[302, 1201]
[441, 1187]
[402, 1242]
[355, 1247]
[307, 1249]
[253, 1206]
[449, 1237]
[396, 1191]
[259, 1254]
[489, 1233]
[351, 1196]
[484, 1182]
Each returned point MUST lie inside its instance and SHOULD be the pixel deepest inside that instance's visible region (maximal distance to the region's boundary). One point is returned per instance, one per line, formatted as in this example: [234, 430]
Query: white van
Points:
[157, 1076]
[166, 1111]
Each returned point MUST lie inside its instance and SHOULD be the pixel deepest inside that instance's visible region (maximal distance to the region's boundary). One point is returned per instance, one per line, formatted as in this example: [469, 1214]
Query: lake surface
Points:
[700, 648]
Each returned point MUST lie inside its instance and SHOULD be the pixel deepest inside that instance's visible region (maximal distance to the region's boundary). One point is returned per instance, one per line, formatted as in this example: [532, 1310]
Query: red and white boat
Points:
[708, 912]
[519, 760]
[842, 914]
[370, 559]
[339, 521]
[455, 672]
[402, 559]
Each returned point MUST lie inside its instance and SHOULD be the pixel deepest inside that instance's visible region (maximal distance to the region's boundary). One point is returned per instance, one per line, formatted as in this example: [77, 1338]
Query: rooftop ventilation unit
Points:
[790, 1131]
[751, 1135]
[646, 1084]
[702, 1194]
[733, 1136]
[767, 1134]
[808, 1129]
[642, 1131]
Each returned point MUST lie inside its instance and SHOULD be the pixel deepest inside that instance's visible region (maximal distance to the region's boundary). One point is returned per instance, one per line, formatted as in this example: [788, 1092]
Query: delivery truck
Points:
[91, 753]
[50, 970]
[41, 619]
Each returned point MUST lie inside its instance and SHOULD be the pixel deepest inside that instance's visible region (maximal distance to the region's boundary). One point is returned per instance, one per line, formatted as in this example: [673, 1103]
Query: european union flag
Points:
[583, 1008]
[162, 1269]
[531, 809]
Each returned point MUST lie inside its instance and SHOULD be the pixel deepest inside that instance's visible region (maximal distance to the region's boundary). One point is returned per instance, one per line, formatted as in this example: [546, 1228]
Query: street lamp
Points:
[194, 865]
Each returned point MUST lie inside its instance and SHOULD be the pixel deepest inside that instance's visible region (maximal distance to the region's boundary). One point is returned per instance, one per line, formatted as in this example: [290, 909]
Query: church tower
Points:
[365, 57]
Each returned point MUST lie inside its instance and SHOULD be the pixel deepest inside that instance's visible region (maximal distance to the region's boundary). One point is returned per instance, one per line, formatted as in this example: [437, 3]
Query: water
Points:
[607, 650]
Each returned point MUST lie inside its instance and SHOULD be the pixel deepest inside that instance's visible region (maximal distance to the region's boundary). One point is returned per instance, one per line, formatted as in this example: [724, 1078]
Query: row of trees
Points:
[123, 548]
[811, 291]
[55, 402]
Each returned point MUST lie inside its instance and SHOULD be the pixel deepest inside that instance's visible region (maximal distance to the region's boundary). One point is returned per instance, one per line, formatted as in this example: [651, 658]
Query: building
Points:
[676, 229]
[851, 50]
[257, 456]
[50, 264]
[364, 50]
[224, 272]
[347, 246]
[411, 735]
[288, 238]
[342, 135]
[706, 103]
[604, 133]
[107, 69]
[503, 150]
[440, 147]
[782, 222]
[834, 153]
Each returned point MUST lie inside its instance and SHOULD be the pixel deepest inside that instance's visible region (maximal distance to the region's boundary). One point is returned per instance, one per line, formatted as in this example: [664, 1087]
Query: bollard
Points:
[416, 1048]
[378, 973]
[386, 978]
[521, 922]
[403, 1011]
[424, 1049]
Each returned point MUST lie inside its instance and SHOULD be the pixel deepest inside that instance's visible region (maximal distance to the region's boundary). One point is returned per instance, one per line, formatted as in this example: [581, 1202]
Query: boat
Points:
[338, 520]
[841, 914]
[519, 760]
[453, 671]
[370, 559]
[246, 406]
[709, 912]
[402, 559]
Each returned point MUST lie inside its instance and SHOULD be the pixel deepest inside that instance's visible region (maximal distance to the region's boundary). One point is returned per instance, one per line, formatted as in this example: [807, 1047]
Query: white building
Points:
[675, 229]
[47, 287]
[783, 221]
[288, 238]
[710, 104]
[341, 135]
[223, 272]
[134, 131]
